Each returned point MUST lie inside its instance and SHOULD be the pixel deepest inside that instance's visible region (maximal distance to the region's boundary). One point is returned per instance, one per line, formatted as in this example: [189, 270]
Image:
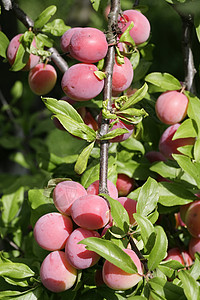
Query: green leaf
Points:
[42, 40]
[15, 270]
[190, 285]
[113, 133]
[148, 197]
[62, 107]
[159, 250]
[146, 230]
[75, 128]
[197, 25]
[111, 252]
[135, 59]
[57, 27]
[119, 213]
[165, 169]
[171, 194]
[164, 80]
[190, 167]
[11, 204]
[185, 130]
[134, 145]
[4, 42]
[136, 97]
[95, 4]
[100, 75]
[132, 115]
[197, 150]
[193, 111]
[126, 37]
[20, 60]
[44, 17]
[82, 160]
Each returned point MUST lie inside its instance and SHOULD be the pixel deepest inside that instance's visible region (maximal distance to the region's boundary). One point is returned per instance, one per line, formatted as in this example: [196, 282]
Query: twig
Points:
[107, 95]
[136, 3]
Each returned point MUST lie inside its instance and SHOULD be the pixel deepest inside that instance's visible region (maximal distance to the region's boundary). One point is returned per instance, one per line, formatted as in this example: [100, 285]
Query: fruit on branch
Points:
[171, 107]
[192, 219]
[123, 136]
[66, 37]
[90, 212]
[77, 254]
[88, 45]
[52, 230]
[117, 279]
[182, 256]
[194, 246]
[141, 29]
[183, 211]
[12, 52]
[65, 193]
[167, 146]
[56, 273]
[42, 78]
[130, 206]
[153, 156]
[179, 221]
[124, 184]
[122, 76]
[93, 189]
[80, 83]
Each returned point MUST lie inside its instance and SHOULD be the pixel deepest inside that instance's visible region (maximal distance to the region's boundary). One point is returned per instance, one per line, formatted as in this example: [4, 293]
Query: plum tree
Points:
[42, 78]
[192, 219]
[77, 254]
[12, 51]
[117, 279]
[122, 76]
[130, 206]
[90, 212]
[88, 45]
[52, 230]
[124, 184]
[194, 246]
[75, 82]
[56, 273]
[182, 256]
[93, 189]
[141, 29]
[171, 107]
[167, 146]
[65, 193]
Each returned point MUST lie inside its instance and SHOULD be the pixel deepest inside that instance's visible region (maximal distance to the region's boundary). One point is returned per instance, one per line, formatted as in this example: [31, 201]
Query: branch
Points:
[187, 30]
[29, 23]
[107, 94]
[136, 3]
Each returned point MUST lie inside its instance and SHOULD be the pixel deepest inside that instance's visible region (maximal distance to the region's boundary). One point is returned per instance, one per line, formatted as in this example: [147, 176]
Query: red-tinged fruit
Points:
[141, 29]
[88, 45]
[65, 193]
[124, 184]
[130, 206]
[93, 189]
[171, 107]
[66, 38]
[194, 246]
[122, 76]
[12, 52]
[80, 83]
[183, 257]
[167, 146]
[192, 219]
[153, 156]
[90, 212]
[42, 79]
[117, 279]
[52, 230]
[56, 273]
[77, 254]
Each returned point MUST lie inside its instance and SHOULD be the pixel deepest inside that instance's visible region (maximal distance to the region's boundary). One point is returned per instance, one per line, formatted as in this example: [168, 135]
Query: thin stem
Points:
[136, 3]
[107, 94]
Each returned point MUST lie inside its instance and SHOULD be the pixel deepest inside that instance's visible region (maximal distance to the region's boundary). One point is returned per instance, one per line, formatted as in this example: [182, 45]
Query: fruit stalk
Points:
[107, 94]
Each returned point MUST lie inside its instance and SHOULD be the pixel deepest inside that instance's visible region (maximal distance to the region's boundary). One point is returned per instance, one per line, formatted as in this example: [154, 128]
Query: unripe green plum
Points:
[52, 230]
[56, 273]
[42, 79]
[12, 52]
[141, 29]
[88, 45]
[171, 107]
[77, 255]
[124, 184]
[65, 193]
[90, 212]
[117, 279]
[80, 83]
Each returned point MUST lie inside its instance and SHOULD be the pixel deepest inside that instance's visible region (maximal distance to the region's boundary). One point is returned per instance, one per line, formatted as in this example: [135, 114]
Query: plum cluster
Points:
[80, 214]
